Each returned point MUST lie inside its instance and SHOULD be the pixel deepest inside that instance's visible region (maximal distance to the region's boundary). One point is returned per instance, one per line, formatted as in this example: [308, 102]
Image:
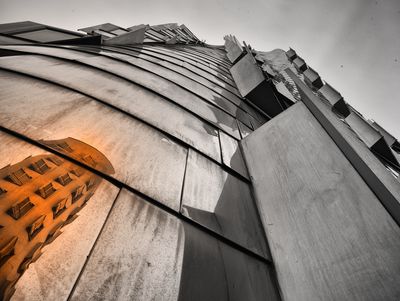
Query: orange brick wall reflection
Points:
[38, 196]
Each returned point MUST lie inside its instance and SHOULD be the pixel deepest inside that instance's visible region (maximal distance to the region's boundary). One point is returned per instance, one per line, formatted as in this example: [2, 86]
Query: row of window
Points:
[21, 208]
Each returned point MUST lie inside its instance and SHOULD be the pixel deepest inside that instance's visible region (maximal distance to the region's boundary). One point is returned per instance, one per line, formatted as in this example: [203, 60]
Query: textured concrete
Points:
[330, 237]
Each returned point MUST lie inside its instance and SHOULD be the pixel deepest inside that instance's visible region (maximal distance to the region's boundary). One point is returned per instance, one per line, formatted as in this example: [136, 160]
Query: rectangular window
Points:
[89, 160]
[2, 191]
[64, 179]
[46, 190]
[77, 193]
[78, 171]
[7, 250]
[35, 227]
[59, 208]
[20, 209]
[90, 183]
[40, 166]
[19, 177]
[56, 160]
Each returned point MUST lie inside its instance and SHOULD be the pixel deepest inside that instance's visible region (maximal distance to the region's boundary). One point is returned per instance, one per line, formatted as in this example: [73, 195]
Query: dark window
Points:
[40, 166]
[35, 227]
[90, 183]
[56, 160]
[61, 146]
[64, 179]
[19, 177]
[89, 160]
[7, 250]
[78, 171]
[2, 191]
[20, 209]
[59, 208]
[77, 193]
[46, 190]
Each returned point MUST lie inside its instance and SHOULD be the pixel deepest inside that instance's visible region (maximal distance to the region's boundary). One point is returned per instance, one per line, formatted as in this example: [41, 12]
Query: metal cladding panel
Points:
[330, 237]
[85, 78]
[330, 94]
[221, 202]
[388, 137]
[143, 253]
[65, 240]
[247, 74]
[46, 35]
[232, 155]
[143, 157]
[133, 99]
[299, 64]
[364, 130]
[312, 78]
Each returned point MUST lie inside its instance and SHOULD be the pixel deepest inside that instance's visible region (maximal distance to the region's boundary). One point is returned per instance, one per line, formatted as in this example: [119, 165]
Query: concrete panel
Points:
[247, 74]
[221, 202]
[364, 130]
[131, 37]
[330, 237]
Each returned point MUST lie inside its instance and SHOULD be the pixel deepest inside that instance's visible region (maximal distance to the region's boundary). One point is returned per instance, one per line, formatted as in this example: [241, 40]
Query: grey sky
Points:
[353, 44]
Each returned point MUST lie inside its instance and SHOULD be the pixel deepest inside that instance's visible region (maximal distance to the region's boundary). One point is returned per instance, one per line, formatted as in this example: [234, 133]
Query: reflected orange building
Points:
[38, 196]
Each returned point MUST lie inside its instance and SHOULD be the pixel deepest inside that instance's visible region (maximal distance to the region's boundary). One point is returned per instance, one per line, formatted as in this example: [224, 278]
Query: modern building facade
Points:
[241, 174]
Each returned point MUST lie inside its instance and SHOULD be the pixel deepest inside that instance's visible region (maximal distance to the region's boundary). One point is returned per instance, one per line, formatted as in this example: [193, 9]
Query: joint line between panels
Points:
[147, 198]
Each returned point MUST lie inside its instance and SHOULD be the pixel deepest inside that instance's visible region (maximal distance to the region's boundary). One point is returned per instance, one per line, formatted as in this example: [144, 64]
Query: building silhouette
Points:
[241, 174]
[39, 196]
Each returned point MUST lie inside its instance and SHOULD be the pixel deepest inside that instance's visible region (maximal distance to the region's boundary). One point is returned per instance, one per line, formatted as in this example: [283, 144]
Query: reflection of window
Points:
[2, 191]
[89, 160]
[35, 227]
[64, 179]
[46, 190]
[61, 146]
[20, 209]
[40, 166]
[59, 208]
[56, 160]
[77, 193]
[90, 183]
[19, 177]
[78, 171]
[7, 250]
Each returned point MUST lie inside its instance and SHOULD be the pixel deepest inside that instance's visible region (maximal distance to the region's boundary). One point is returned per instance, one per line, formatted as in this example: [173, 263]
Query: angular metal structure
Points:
[221, 173]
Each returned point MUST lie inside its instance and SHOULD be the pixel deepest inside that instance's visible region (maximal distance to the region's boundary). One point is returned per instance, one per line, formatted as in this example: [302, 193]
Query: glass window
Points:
[35, 227]
[46, 190]
[59, 208]
[64, 179]
[77, 193]
[20, 209]
[19, 177]
[40, 166]
[7, 250]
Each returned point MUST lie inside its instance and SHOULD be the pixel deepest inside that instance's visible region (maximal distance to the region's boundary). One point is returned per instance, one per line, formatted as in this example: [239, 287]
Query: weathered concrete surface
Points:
[330, 237]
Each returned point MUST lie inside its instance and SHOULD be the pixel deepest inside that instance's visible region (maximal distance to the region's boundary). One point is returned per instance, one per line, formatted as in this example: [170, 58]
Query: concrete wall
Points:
[329, 235]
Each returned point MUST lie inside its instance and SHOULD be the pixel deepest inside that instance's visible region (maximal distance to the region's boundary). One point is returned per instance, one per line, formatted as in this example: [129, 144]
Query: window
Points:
[46, 190]
[7, 250]
[40, 166]
[64, 180]
[2, 191]
[20, 209]
[35, 227]
[19, 177]
[56, 160]
[59, 208]
[90, 183]
[61, 146]
[77, 193]
[78, 171]
[89, 160]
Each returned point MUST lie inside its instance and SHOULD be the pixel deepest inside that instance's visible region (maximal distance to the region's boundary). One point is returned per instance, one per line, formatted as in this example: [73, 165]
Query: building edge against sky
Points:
[245, 160]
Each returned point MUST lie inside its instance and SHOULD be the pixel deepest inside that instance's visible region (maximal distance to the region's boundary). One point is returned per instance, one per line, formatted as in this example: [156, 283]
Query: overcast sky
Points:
[353, 44]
